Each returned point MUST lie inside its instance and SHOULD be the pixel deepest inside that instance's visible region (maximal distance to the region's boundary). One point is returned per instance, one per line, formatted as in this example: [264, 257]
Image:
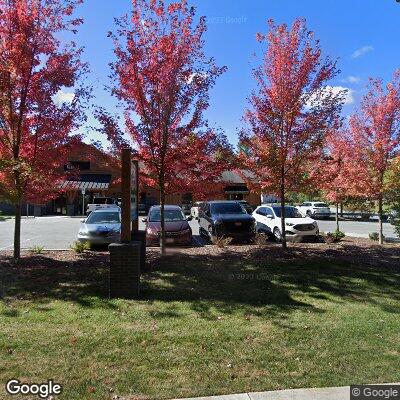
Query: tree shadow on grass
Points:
[267, 280]
[249, 280]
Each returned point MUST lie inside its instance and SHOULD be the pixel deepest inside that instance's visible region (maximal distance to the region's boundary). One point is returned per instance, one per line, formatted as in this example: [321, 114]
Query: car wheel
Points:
[277, 235]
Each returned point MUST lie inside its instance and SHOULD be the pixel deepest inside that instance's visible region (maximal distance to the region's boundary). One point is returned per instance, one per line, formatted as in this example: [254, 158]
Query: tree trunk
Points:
[341, 210]
[380, 203]
[337, 217]
[283, 229]
[162, 233]
[17, 231]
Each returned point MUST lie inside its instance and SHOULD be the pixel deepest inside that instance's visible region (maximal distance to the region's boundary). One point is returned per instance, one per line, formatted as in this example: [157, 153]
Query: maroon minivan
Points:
[177, 229]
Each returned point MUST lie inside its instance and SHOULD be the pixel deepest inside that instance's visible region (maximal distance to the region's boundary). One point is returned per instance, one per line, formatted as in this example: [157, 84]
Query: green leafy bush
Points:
[334, 237]
[375, 236]
[80, 247]
[37, 249]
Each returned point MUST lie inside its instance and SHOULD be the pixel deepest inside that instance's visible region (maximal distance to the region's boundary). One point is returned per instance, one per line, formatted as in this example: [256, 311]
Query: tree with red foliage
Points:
[291, 111]
[374, 135]
[34, 128]
[332, 175]
[164, 80]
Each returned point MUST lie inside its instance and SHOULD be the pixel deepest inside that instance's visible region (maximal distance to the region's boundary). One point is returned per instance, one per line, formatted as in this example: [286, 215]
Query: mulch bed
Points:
[352, 250]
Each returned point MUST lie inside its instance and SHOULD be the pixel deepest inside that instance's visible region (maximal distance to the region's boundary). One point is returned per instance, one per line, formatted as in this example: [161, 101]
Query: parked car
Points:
[226, 219]
[315, 209]
[246, 206]
[101, 203]
[194, 211]
[101, 227]
[177, 229]
[297, 227]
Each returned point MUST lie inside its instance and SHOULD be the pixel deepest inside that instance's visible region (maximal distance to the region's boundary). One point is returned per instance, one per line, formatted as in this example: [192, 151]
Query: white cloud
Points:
[349, 98]
[352, 79]
[63, 97]
[199, 75]
[361, 51]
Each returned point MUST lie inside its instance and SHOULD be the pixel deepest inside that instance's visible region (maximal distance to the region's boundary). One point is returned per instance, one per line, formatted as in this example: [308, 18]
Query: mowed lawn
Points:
[209, 321]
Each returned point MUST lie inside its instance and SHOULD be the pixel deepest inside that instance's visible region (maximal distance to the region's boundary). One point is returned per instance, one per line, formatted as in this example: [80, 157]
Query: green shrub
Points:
[80, 247]
[375, 236]
[334, 237]
[37, 249]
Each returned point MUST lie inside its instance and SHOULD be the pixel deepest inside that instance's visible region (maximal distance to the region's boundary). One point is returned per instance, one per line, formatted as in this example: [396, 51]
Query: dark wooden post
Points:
[125, 257]
[126, 224]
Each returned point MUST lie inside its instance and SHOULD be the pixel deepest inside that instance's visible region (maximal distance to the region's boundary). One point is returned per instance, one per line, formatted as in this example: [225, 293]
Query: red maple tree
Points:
[374, 136]
[164, 80]
[331, 175]
[291, 111]
[34, 127]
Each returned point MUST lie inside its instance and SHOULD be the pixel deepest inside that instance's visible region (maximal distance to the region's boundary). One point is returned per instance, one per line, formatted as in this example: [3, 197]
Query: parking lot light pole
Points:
[83, 201]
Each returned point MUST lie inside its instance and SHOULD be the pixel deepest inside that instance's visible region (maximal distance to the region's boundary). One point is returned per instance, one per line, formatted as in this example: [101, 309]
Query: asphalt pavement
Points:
[59, 232]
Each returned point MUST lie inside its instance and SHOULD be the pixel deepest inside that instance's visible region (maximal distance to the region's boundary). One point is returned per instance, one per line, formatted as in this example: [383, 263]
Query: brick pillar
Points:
[124, 278]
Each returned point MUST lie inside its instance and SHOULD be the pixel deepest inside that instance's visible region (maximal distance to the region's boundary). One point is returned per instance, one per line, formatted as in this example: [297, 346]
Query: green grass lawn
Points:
[236, 321]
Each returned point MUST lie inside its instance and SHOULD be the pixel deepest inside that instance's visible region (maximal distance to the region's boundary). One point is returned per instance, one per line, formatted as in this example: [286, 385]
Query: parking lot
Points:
[59, 232]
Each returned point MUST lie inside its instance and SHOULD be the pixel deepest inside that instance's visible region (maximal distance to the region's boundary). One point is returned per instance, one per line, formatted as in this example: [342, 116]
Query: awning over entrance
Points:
[236, 189]
[88, 182]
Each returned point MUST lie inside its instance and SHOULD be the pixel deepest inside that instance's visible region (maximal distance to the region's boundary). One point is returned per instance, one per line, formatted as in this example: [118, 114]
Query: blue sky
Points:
[363, 34]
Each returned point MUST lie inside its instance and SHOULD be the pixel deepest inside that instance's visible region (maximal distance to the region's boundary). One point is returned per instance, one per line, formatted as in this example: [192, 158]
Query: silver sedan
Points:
[101, 227]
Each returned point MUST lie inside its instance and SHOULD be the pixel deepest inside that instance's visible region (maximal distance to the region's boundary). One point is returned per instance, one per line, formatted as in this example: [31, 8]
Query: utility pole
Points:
[83, 201]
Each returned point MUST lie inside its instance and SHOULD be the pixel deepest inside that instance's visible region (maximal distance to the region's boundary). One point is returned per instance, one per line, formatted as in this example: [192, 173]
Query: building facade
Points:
[91, 173]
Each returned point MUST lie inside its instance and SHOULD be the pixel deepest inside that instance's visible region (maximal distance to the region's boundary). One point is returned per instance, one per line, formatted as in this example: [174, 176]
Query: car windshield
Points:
[112, 217]
[169, 215]
[321, 205]
[290, 212]
[227, 208]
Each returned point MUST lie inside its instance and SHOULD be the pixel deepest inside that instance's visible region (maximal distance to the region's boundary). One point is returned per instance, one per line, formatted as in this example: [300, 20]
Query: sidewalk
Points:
[334, 393]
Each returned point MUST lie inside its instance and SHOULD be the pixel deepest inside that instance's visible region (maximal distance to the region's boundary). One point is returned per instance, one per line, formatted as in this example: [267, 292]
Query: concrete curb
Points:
[332, 393]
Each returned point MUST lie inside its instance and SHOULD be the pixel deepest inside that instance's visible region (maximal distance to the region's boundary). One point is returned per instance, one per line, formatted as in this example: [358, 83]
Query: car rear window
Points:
[169, 215]
[103, 200]
[227, 208]
[111, 217]
[321, 205]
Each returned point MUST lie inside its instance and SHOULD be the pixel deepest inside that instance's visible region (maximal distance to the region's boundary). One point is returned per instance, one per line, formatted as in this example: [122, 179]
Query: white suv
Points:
[315, 209]
[297, 227]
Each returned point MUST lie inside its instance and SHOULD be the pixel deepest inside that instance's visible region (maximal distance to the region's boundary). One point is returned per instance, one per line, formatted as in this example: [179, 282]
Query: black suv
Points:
[226, 219]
